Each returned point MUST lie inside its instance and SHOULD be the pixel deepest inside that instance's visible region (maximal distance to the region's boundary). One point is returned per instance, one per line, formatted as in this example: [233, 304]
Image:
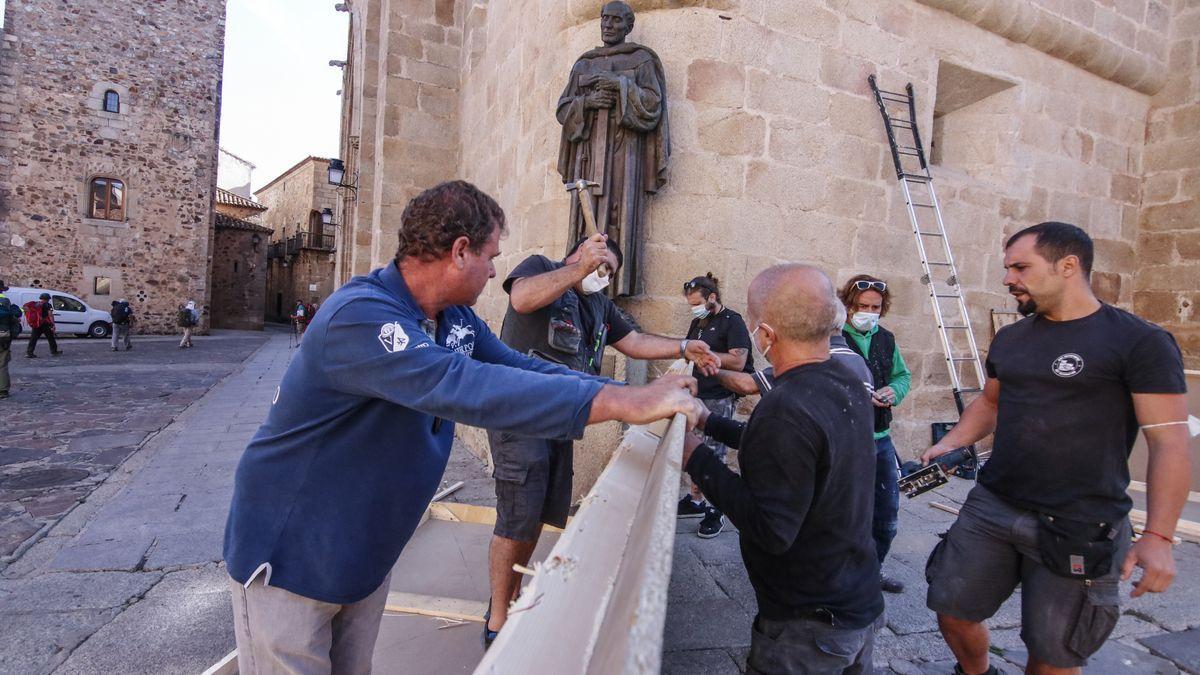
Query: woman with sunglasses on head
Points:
[867, 299]
[725, 332]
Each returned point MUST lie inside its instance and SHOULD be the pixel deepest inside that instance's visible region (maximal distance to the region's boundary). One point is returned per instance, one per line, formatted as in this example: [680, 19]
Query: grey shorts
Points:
[724, 408]
[990, 549]
[533, 484]
[809, 646]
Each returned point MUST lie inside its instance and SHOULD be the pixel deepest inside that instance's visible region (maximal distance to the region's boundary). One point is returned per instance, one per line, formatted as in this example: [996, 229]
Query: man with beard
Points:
[1067, 389]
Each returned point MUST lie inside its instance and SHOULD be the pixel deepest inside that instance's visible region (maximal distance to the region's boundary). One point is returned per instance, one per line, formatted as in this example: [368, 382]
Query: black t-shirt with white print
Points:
[722, 332]
[1066, 422]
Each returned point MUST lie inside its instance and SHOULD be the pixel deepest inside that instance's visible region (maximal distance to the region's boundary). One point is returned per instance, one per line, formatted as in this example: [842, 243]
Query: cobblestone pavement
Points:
[71, 420]
[711, 604]
[128, 580]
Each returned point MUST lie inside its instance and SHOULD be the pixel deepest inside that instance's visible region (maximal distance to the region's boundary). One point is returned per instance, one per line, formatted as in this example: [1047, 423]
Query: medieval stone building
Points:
[239, 263]
[1086, 111]
[301, 256]
[108, 150]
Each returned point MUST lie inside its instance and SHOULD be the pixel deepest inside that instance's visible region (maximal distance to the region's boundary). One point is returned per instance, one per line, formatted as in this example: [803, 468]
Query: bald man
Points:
[804, 500]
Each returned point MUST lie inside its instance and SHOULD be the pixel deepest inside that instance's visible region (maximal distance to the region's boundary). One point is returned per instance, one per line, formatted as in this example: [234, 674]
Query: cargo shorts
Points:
[992, 548]
[533, 484]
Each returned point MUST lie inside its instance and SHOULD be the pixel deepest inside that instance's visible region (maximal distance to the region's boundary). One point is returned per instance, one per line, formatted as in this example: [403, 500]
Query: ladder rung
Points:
[947, 295]
[930, 234]
[962, 358]
[892, 93]
[927, 206]
[972, 390]
[903, 124]
[906, 152]
[955, 327]
[894, 99]
[916, 177]
[940, 264]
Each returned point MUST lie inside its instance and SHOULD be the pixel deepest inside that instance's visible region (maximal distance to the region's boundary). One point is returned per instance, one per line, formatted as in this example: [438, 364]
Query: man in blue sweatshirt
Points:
[335, 481]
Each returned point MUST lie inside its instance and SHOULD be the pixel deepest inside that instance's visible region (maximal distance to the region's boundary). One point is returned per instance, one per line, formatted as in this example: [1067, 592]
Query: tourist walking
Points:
[122, 319]
[188, 318]
[39, 314]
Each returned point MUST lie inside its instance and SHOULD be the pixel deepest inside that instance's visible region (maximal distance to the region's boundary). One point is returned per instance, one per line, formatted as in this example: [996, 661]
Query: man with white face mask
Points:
[557, 312]
[867, 299]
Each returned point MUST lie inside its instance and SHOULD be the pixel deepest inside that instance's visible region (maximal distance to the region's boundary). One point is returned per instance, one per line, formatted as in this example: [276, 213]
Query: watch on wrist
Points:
[683, 348]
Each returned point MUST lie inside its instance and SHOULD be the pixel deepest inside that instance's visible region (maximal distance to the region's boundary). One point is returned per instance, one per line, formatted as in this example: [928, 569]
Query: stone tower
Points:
[108, 150]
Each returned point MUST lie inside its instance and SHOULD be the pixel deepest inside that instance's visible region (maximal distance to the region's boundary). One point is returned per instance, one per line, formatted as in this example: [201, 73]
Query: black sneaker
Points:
[114, 349]
[31, 356]
[711, 525]
[489, 636]
[891, 585]
[57, 353]
[990, 671]
[690, 509]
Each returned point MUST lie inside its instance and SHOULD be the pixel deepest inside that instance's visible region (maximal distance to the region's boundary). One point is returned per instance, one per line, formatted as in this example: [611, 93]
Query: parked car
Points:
[71, 315]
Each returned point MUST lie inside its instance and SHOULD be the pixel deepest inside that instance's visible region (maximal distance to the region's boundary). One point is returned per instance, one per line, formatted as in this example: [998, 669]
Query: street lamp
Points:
[337, 176]
[327, 216]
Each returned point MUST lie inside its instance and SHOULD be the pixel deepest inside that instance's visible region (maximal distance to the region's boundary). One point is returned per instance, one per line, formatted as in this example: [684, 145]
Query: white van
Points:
[71, 315]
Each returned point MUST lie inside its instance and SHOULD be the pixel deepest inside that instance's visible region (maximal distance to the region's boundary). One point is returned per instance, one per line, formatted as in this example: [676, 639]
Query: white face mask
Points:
[754, 343]
[594, 283]
[864, 321]
[699, 311]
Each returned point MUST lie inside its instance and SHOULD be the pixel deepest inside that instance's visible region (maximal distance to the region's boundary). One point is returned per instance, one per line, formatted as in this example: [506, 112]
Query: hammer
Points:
[582, 188]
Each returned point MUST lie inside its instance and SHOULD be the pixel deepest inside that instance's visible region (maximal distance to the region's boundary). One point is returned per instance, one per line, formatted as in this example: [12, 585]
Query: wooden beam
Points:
[1140, 486]
[226, 666]
[598, 602]
[430, 605]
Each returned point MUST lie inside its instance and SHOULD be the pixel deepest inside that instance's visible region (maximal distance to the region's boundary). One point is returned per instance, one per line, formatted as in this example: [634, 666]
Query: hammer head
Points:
[581, 185]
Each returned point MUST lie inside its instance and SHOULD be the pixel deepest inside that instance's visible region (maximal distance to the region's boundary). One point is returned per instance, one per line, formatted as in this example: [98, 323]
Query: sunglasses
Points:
[867, 285]
[693, 285]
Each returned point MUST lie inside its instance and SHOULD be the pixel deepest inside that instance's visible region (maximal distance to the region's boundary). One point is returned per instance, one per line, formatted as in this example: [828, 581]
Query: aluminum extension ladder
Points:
[939, 273]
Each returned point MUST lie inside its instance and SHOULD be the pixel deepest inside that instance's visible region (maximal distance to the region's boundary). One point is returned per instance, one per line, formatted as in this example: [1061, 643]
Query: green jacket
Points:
[900, 379]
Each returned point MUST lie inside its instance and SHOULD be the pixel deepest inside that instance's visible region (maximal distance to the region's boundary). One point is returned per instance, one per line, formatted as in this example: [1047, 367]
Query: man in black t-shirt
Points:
[557, 312]
[803, 501]
[1067, 389]
[724, 331]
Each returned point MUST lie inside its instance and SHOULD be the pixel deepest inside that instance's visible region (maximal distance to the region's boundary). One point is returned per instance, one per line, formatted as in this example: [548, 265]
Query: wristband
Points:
[683, 348]
[1169, 540]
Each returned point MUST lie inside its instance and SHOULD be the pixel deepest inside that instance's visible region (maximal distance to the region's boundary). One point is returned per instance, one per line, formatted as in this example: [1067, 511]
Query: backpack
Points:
[10, 325]
[121, 313]
[187, 318]
[33, 314]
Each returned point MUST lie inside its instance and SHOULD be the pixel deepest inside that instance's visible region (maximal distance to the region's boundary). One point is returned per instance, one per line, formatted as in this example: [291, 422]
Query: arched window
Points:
[107, 200]
[112, 101]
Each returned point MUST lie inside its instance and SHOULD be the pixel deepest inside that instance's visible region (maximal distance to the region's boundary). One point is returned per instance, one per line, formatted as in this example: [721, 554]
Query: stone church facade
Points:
[1086, 111]
[108, 150]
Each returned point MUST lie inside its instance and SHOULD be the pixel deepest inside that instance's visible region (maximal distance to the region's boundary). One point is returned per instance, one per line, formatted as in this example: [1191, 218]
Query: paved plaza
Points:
[115, 566]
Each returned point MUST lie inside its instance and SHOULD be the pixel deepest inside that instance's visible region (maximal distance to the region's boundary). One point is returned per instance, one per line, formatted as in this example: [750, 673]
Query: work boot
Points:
[30, 355]
[891, 585]
[712, 524]
[690, 509]
[57, 353]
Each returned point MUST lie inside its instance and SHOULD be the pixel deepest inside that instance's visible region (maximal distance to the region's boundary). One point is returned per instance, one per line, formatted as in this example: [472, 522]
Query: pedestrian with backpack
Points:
[10, 327]
[39, 314]
[122, 319]
[188, 318]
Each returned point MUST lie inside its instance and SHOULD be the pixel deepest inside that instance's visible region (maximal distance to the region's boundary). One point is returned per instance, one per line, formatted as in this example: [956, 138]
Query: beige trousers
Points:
[281, 632]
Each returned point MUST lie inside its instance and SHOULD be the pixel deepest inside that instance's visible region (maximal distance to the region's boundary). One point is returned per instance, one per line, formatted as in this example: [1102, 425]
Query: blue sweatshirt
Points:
[336, 479]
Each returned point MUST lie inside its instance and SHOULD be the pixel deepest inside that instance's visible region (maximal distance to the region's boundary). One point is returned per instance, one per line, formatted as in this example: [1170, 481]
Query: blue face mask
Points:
[699, 311]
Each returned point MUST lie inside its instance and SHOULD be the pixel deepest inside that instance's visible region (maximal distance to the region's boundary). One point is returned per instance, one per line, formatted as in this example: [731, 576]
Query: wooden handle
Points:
[585, 205]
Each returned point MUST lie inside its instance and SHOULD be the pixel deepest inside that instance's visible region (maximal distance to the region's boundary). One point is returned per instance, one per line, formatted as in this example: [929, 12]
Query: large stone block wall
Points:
[239, 279]
[778, 152]
[292, 197]
[165, 60]
[1167, 287]
[286, 285]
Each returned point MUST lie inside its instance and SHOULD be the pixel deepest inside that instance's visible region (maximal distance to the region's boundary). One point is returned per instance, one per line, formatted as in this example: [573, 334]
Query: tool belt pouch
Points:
[1076, 549]
[563, 336]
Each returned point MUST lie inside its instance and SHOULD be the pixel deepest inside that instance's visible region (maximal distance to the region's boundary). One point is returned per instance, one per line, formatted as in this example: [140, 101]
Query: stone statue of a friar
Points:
[614, 118]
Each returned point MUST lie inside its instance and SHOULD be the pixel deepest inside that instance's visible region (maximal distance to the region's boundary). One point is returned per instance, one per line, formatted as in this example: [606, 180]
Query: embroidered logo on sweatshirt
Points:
[393, 337]
[456, 340]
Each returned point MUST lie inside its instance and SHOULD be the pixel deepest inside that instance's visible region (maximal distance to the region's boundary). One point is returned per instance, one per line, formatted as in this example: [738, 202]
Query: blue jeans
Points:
[887, 496]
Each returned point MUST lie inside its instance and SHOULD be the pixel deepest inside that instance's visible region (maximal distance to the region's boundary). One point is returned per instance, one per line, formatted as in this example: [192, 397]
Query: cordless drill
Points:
[916, 478]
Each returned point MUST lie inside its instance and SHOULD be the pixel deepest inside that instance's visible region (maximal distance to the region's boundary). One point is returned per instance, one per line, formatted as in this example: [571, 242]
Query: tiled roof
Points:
[228, 222]
[227, 197]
